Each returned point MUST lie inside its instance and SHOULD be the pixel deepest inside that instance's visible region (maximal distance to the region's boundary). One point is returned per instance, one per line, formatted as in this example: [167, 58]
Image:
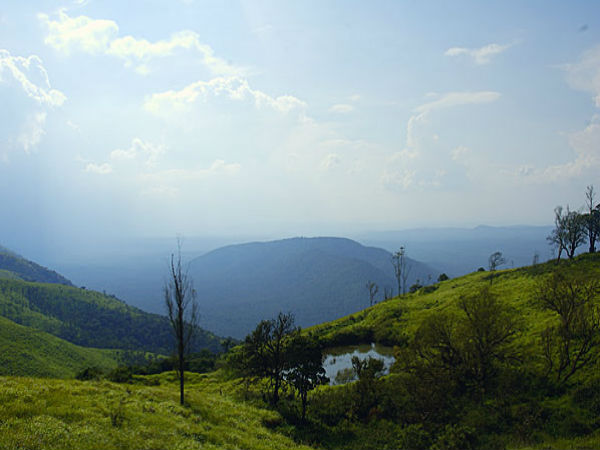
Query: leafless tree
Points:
[494, 261]
[592, 218]
[401, 269]
[373, 289]
[182, 310]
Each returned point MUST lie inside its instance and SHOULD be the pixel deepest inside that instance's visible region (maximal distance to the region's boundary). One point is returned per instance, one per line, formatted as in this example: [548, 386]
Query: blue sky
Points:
[156, 118]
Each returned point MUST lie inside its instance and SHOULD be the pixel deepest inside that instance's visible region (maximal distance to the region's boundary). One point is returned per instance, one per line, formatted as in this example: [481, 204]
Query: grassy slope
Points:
[55, 414]
[25, 351]
[390, 322]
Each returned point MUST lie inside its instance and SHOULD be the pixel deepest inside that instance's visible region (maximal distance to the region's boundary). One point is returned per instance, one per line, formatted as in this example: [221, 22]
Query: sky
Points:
[157, 118]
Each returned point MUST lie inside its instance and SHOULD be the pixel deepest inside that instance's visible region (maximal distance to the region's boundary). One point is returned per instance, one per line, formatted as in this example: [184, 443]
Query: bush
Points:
[90, 373]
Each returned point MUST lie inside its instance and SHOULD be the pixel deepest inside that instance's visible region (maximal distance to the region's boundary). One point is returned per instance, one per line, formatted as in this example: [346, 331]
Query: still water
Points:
[338, 360]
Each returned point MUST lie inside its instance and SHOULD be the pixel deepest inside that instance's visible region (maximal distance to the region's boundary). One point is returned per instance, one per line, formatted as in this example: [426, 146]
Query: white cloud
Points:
[233, 88]
[584, 75]
[459, 153]
[482, 55]
[586, 148]
[100, 169]
[451, 99]
[148, 150]
[26, 79]
[341, 109]
[414, 167]
[78, 33]
[23, 70]
[97, 36]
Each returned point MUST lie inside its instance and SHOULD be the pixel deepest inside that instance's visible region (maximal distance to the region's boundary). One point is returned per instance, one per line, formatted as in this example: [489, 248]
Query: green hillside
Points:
[503, 360]
[89, 318]
[393, 322]
[53, 414]
[25, 351]
[27, 270]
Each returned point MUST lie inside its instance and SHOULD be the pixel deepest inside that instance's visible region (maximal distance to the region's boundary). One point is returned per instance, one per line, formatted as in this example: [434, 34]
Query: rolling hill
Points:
[317, 279]
[15, 266]
[89, 318]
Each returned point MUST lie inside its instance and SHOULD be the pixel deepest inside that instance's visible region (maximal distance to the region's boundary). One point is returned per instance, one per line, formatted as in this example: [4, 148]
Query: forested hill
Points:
[89, 318]
[317, 279]
[16, 267]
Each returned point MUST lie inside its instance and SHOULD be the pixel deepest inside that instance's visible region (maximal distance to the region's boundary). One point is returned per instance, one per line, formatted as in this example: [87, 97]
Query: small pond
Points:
[338, 360]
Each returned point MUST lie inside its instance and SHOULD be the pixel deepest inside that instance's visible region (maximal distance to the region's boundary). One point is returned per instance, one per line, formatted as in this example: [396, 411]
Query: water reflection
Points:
[338, 361]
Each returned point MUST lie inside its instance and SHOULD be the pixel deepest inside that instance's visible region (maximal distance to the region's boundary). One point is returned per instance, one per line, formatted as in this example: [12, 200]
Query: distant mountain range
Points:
[458, 251]
[317, 279]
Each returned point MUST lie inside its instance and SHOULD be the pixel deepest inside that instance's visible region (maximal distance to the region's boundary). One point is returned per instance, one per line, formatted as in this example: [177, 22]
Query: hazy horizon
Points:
[281, 119]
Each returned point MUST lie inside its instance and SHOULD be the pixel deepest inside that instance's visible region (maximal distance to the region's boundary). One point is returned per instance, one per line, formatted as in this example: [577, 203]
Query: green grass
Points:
[392, 321]
[57, 414]
[26, 351]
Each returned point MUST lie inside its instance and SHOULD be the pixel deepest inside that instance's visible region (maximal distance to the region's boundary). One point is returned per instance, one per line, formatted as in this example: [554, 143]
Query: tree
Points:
[182, 311]
[574, 341]
[372, 288]
[306, 370]
[592, 218]
[442, 277]
[465, 348]
[494, 261]
[264, 352]
[401, 269]
[569, 231]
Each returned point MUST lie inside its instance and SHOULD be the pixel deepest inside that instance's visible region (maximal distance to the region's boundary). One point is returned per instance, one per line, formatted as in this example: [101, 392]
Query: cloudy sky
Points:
[153, 117]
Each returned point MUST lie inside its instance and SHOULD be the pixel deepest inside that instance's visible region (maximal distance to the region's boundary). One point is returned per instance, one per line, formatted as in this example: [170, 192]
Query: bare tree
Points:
[182, 310]
[373, 289]
[388, 293]
[401, 269]
[592, 218]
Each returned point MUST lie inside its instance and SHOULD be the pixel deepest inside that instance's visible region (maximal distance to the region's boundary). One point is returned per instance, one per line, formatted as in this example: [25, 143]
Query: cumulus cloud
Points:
[100, 169]
[584, 74]
[410, 167]
[586, 151]
[29, 73]
[233, 88]
[99, 36]
[480, 56]
[26, 79]
[342, 109]
[78, 33]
